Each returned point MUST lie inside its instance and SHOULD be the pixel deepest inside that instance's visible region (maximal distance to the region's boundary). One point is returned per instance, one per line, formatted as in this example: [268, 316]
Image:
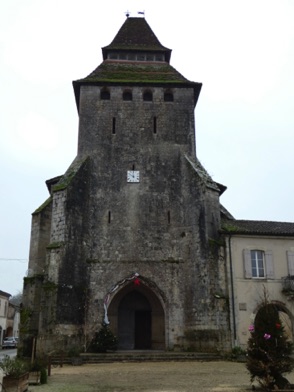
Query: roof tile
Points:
[235, 226]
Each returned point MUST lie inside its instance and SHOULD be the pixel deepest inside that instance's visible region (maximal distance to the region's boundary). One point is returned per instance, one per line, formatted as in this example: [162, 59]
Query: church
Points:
[133, 235]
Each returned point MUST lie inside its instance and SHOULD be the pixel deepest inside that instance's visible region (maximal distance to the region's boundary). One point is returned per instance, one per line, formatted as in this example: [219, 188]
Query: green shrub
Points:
[237, 351]
[74, 352]
[103, 341]
[14, 367]
[43, 376]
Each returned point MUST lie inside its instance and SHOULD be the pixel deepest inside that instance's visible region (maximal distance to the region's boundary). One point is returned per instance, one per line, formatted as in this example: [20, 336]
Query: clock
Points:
[133, 176]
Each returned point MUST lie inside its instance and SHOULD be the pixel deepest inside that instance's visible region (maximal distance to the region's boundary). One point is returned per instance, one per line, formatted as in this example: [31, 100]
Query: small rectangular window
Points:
[290, 259]
[150, 57]
[159, 57]
[257, 264]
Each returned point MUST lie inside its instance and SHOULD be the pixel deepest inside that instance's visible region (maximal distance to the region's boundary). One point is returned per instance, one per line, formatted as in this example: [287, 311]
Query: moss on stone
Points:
[49, 286]
[32, 279]
[135, 73]
[213, 243]
[66, 179]
[55, 245]
[93, 261]
[228, 228]
[42, 206]
[25, 315]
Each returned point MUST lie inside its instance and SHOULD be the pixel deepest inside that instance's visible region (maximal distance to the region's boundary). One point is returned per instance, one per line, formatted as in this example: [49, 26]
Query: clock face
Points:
[133, 176]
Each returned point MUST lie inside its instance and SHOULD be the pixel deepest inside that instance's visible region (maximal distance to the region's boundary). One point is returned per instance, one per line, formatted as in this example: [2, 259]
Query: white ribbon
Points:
[111, 291]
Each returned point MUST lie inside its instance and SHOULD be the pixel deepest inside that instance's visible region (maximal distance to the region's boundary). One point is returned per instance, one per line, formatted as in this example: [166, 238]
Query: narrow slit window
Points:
[168, 217]
[154, 125]
[133, 167]
[113, 126]
[109, 216]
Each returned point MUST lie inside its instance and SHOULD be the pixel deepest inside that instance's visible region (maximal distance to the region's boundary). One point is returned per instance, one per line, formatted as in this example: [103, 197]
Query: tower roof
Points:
[136, 57]
[136, 34]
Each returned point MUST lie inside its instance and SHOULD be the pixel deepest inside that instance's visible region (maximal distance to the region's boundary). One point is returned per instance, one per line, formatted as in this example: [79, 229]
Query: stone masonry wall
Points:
[58, 217]
[105, 229]
[159, 227]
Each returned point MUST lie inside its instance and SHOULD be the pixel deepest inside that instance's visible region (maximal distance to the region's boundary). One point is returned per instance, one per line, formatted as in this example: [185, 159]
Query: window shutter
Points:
[269, 265]
[290, 259]
[247, 263]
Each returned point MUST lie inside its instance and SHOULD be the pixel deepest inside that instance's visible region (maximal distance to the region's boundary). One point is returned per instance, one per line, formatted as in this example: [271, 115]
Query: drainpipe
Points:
[232, 292]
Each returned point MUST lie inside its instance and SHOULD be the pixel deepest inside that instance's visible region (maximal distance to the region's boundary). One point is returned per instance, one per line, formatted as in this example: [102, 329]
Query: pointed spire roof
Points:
[136, 34]
[136, 57]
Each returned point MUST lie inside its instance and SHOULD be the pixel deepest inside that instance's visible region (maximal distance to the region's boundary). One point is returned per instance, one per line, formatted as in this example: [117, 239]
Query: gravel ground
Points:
[191, 376]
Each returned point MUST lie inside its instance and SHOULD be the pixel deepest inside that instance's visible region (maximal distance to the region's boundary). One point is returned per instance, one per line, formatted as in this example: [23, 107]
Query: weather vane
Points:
[127, 13]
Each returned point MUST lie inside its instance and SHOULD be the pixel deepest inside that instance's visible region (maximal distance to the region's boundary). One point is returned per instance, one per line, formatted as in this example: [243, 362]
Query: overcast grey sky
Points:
[241, 50]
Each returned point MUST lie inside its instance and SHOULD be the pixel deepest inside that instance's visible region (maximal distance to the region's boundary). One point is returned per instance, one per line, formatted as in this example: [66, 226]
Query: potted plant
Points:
[16, 375]
[35, 372]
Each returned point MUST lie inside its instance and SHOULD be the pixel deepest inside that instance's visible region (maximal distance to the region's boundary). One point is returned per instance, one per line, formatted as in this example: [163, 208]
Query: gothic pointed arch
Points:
[137, 316]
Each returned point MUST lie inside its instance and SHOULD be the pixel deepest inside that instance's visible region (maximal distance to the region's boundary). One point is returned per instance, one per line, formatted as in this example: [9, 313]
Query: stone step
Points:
[139, 356]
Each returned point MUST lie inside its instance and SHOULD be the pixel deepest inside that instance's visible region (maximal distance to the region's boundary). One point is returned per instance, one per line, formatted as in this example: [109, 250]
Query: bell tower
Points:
[133, 218]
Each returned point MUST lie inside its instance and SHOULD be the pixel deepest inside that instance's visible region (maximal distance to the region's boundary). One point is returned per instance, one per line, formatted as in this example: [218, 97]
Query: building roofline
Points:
[255, 227]
[4, 294]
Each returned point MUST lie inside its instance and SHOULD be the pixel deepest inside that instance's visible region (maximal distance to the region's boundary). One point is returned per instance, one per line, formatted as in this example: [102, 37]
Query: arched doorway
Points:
[274, 311]
[134, 322]
[137, 318]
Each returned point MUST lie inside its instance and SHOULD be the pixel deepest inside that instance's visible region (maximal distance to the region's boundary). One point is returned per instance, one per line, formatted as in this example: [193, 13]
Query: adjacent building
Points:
[4, 304]
[13, 320]
[260, 265]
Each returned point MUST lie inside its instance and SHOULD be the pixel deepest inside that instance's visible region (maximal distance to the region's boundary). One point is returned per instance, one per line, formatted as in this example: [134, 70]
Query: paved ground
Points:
[150, 377]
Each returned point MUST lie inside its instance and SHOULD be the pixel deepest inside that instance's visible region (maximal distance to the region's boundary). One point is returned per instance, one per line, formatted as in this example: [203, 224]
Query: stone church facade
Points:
[130, 234]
